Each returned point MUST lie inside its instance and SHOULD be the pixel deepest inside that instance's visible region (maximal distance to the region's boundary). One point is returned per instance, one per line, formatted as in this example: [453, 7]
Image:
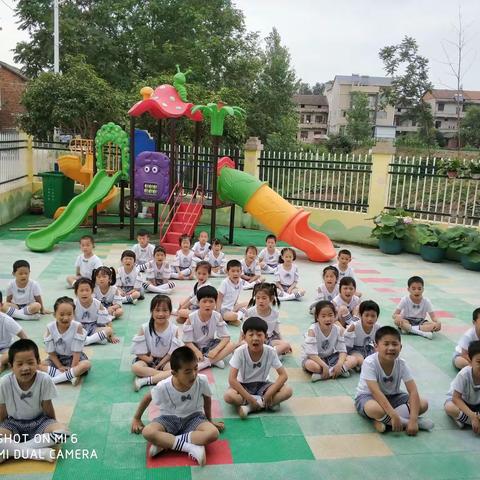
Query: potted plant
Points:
[470, 250]
[452, 167]
[390, 230]
[474, 168]
[432, 242]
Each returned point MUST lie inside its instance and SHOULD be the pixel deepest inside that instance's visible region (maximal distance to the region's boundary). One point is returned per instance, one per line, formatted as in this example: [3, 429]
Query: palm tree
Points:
[217, 113]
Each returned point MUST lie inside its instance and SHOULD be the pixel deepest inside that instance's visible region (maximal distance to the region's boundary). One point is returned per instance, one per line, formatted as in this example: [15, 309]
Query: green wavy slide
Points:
[44, 240]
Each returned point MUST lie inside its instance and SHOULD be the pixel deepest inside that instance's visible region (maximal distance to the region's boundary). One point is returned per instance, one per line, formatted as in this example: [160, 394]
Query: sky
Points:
[328, 38]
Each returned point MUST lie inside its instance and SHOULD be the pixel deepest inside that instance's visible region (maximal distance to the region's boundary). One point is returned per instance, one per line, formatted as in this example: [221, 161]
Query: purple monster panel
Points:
[152, 175]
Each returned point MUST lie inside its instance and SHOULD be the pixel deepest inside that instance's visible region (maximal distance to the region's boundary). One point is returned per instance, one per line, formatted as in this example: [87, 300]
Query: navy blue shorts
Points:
[32, 427]
[395, 401]
[178, 425]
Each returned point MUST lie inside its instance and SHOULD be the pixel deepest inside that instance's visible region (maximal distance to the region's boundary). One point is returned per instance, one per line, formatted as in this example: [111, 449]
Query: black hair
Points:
[22, 345]
[215, 241]
[109, 271]
[252, 247]
[87, 237]
[1, 297]
[387, 330]
[255, 323]
[475, 314]
[284, 250]
[63, 300]
[82, 281]
[369, 306]
[143, 233]
[344, 251]
[204, 264]
[473, 349]
[207, 292]
[321, 305]
[184, 237]
[269, 288]
[233, 263]
[158, 300]
[180, 356]
[159, 248]
[270, 236]
[19, 264]
[415, 279]
[347, 281]
[128, 253]
[331, 268]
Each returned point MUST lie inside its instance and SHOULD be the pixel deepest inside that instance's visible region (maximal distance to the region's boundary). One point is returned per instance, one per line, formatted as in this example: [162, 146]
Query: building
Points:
[12, 85]
[313, 117]
[339, 97]
[444, 109]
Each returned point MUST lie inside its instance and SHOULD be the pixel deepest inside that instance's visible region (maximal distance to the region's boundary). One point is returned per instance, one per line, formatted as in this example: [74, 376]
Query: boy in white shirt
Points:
[185, 423]
[129, 282]
[227, 302]
[86, 262]
[379, 395]
[250, 388]
[206, 333]
[269, 256]
[411, 313]
[24, 298]
[460, 356]
[463, 398]
[143, 249]
[201, 248]
[26, 409]
[344, 269]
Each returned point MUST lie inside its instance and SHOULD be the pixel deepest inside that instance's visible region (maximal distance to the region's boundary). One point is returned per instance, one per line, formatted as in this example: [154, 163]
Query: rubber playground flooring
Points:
[316, 434]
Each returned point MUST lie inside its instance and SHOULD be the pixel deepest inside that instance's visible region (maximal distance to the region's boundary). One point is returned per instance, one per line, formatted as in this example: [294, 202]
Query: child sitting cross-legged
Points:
[324, 353]
[64, 341]
[206, 333]
[379, 394]
[250, 388]
[128, 282]
[154, 344]
[463, 398]
[185, 423]
[328, 290]
[347, 302]
[26, 409]
[460, 357]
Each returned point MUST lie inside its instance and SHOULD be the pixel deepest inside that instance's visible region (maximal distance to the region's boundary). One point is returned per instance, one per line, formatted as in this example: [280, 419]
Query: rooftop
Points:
[444, 94]
[14, 70]
[310, 100]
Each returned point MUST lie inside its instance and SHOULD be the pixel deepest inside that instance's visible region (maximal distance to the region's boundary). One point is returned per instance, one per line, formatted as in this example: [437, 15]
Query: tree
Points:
[76, 101]
[409, 72]
[339, 143]
[470, 126]
[359, 127]
[273, 109]
[304, 89]
[318, 88]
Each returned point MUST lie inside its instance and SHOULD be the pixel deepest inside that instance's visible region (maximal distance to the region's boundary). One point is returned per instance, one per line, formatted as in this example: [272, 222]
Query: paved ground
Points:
[316, 434]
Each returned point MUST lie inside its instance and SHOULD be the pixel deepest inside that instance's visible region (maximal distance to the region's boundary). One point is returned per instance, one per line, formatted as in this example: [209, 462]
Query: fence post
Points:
[253, 149]
[28, 157]
[382, 155]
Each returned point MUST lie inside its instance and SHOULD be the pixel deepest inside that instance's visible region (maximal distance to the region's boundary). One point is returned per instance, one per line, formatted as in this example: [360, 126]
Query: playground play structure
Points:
[117, 158]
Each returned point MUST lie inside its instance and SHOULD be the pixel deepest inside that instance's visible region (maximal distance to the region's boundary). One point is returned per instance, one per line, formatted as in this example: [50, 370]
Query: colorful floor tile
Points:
[317, 433]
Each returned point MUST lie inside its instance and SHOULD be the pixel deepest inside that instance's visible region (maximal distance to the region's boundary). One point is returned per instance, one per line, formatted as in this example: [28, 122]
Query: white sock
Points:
[47, 439]
[205, 363]
[97, 337]
[60, 377]
[182, 442]
[240, 315]
[416, 331]
[287, 296]
[21, 314]
[143, 381]
[165, 288]
[463, 418]
[15, 449]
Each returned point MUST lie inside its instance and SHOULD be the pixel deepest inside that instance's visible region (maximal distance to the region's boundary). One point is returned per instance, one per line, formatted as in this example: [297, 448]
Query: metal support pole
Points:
[213, 220]
[56, 38]
[132, 178]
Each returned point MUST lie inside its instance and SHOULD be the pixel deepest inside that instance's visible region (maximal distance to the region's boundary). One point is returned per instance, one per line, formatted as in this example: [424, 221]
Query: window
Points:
[319, 106]
[464, 107]
[304, 134]
[317, 132]
[440, 107]
[438, 124]
[308, 118]
[318, 119]
[399, 110]
[302, 106]
[344, 113]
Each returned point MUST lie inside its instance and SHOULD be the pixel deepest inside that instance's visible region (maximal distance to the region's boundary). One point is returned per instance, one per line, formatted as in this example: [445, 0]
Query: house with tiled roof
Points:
[312, 113]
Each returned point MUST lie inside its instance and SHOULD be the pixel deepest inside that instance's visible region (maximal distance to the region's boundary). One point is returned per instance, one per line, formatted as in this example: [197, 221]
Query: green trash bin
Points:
[57, 191]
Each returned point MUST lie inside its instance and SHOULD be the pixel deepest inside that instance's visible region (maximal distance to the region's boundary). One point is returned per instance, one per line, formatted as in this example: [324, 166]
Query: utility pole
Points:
[56, 38]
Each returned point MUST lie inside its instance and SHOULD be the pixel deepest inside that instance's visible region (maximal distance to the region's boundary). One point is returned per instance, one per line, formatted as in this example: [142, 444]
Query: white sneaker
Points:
[243, 411]
[134, 301]
[219, 364]
[136, 384]
[205, 363]
[459, 424]
[316, 377]
[197, 453]
[75, 381]
[344, 373]
[425, 423]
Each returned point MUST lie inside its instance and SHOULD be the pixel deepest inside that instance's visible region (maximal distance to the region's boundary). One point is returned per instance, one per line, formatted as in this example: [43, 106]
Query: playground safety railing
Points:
[176, 194]
[193, 201]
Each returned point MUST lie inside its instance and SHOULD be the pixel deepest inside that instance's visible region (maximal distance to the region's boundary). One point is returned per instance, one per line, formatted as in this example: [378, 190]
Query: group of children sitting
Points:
[343, 338]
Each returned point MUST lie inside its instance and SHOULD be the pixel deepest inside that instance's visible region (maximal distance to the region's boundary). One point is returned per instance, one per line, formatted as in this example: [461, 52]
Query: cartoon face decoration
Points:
[152, 173]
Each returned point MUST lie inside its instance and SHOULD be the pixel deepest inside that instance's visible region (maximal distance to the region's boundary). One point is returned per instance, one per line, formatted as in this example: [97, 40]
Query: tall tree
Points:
[470, 126]
[318, 88]
[274, 111]
[409, 72]
[359, 127]
[304, 89]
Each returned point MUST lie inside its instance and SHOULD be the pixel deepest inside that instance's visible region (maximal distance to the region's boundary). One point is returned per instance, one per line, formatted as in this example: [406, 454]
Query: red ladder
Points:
[181, 217]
